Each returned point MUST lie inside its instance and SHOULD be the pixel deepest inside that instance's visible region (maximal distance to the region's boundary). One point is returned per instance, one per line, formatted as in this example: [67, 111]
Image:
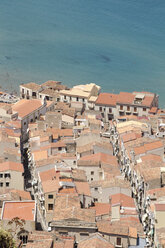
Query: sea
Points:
[117, 44]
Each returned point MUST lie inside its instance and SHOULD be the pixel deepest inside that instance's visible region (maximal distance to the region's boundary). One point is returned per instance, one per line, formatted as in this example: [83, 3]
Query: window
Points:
[59, 148]
[24, 238]
[1, 175]
[74, 162]
[121, 107]
[96, 189]
[22, 91]
[144, 109]
[77, 99]
[40, 96]
[1, 184]
[118, 241]
[128, 108]
[92, 172]
[100, 108]
[50, 196]
[33, 93]
[24, 123]
[91, 179]
[7, 184]
[7, 175]
[83, 100]
[110, 110]
[65, 97]
[31, 120]
[50, 206]
[95, 200]
[135, 109]
[70, 98]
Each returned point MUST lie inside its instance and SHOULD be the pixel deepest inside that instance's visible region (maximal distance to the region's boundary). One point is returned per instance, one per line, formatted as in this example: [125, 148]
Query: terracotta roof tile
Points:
[123, 200]
[95, 241]
[24, 195]
[32, 86]
[102, 208]
[50, 186]
[40, 155]
[125, 98]
[22, 209]
[106, 99]
[100, 157]
[68, 207]
[13, 166]
[83, 188]
[25, 107]
[47, 175]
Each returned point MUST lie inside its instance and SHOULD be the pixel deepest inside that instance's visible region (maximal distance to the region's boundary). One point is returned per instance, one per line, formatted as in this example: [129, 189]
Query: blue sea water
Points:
[118, 44]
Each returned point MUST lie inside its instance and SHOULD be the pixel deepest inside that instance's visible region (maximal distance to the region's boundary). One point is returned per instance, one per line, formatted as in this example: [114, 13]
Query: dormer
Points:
[139, 98]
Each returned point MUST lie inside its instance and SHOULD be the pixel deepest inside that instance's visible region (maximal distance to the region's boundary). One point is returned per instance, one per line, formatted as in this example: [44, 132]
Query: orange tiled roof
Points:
[153, 157]
[58, 144]
[106, 99]
[153, 110]
[47, 175]
[40, 155]
[100, 157]
[25, 107]
[24, 195]
[22, 209]
[123, 200]
[13, 166]
[95, 241]
[153, 145]
[125, 98]
[31, 86]
[67, 191]
[50, 186]
[102, 208]
[129, 137]
[83, 188]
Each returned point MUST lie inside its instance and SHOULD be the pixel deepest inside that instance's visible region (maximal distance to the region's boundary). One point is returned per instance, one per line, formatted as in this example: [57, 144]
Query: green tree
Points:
[6, 240]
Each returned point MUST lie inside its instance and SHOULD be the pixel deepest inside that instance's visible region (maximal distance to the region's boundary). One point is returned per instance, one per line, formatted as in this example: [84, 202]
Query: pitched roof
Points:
[40, 155]
[100, 157]
[32, 86]
[128, 137]
[24, 195]
[22, 209]
[13, 166]
[68, 207]
[25, 107]
[95, 241]
[148, 147]
[51, 83]
[50, 186]
[106, 99]
[125, 98]
[123, 200]
[47, 175]
[83, 188]
[102, 208]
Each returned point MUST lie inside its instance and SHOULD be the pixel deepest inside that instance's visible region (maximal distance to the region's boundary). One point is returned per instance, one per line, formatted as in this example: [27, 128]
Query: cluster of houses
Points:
[80, 168]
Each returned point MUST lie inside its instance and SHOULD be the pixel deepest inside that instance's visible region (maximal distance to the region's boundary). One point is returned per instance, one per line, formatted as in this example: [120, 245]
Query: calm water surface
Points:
[118, 44]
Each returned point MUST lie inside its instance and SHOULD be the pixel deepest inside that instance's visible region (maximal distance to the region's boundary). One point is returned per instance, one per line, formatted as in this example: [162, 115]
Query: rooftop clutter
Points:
[92, 162]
